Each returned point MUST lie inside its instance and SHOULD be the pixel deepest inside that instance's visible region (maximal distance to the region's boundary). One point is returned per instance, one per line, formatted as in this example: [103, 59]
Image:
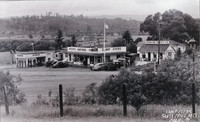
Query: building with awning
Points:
[32, 59]
[94, 55]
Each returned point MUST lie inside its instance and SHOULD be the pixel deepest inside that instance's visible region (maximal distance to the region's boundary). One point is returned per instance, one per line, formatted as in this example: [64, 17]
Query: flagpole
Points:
[104, 30]
[33, 47]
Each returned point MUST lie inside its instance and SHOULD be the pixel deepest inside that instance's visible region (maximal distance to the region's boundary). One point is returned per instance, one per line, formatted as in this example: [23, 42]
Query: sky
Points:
[96, 7]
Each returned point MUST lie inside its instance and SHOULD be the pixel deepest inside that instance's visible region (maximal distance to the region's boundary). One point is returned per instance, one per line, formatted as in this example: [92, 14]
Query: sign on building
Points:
[156, 42]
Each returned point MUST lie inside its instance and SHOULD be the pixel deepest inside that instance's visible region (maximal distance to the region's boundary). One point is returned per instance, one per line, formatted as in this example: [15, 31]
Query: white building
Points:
[31, 59]
[148, 50]
[193, 44]
[88, 56]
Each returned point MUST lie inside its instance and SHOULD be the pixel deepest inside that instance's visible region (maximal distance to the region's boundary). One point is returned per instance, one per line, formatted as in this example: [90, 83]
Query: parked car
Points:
[50, 63]
[110, 67]
[60, 64]
[104, 66]
[98, 66]
[91, 66]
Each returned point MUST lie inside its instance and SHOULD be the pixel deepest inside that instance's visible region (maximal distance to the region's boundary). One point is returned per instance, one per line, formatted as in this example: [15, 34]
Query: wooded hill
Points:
[78, 25]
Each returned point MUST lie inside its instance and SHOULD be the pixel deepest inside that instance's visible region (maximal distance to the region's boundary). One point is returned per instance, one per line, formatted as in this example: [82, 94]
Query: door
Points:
[149, 56]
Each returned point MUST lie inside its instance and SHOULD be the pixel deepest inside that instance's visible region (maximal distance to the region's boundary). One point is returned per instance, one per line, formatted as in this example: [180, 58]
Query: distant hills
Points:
[78, 25]
[126, 17]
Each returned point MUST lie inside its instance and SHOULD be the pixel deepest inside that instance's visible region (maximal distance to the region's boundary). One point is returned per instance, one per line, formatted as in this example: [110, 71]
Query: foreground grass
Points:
[87, 119]
[85, 113]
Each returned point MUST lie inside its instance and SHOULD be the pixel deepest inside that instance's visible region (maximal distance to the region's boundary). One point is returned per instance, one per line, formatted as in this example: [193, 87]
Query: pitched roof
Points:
[153, 48]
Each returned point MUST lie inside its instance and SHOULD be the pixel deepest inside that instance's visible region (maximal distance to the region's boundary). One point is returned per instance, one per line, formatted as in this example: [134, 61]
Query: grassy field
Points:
[40, 80]
[5, 58]
[97, 113]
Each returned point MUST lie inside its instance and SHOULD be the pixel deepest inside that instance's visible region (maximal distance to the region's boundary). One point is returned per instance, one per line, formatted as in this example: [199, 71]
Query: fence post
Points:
[124, 100]
[193, 98]
[61, 100]
[193, 87]
[6, 100]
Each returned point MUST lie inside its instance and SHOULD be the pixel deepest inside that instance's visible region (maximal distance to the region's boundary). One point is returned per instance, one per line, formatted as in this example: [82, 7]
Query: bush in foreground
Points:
[9, 83]
[171, 85]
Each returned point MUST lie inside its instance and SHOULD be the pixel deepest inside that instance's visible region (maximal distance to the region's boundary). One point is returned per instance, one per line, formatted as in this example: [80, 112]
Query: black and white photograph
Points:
[99, 60]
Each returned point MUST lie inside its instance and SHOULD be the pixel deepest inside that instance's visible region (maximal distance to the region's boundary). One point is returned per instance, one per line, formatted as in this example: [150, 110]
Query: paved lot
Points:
[41, 79]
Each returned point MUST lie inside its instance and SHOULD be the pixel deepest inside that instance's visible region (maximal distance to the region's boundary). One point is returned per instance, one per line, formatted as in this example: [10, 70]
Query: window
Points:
[143, 56]
[169, 54]
[70, 57]
[161, 56]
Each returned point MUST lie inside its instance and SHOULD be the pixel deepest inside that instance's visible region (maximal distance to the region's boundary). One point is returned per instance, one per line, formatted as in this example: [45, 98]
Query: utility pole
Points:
[159, 42]
[33, 47]
[198, 47]
[104, 38]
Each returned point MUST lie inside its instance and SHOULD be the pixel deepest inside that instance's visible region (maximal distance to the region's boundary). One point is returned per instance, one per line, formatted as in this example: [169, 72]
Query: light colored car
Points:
[60, 64]
[98, 66]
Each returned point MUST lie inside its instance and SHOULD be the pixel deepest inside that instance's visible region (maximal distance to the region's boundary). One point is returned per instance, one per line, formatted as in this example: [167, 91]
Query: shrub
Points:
[118, 42]
[70, 98]
[10, 83]
[132, 48]
[42, 45]
[110, 91]
[40, 101]
[20, 98]
[170, 85]
[54, 101]
[89, 96]
[137, 100]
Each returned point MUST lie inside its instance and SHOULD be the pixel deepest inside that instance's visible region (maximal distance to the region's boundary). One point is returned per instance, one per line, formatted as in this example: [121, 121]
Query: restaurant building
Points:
[87, 56]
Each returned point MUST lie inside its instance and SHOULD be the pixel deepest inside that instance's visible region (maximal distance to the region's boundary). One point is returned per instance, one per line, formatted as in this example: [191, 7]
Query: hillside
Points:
[78, 25]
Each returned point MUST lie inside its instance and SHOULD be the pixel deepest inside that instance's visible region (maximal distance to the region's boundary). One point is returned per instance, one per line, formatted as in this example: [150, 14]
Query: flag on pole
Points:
[105, 26]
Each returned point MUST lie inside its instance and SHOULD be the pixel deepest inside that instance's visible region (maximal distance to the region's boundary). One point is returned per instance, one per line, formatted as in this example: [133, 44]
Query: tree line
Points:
[78, 25]
[172, 24]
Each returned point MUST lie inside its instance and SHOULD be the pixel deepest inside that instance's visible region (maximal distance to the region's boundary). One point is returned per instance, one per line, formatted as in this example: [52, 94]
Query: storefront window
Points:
[91, 59]
[154, 55]
[99, 59]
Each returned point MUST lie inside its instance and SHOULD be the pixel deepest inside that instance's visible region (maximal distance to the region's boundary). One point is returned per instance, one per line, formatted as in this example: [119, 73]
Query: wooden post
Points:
[193, 98]
[61, 100]
[193, 87]
[124, 100]
[6, 100]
